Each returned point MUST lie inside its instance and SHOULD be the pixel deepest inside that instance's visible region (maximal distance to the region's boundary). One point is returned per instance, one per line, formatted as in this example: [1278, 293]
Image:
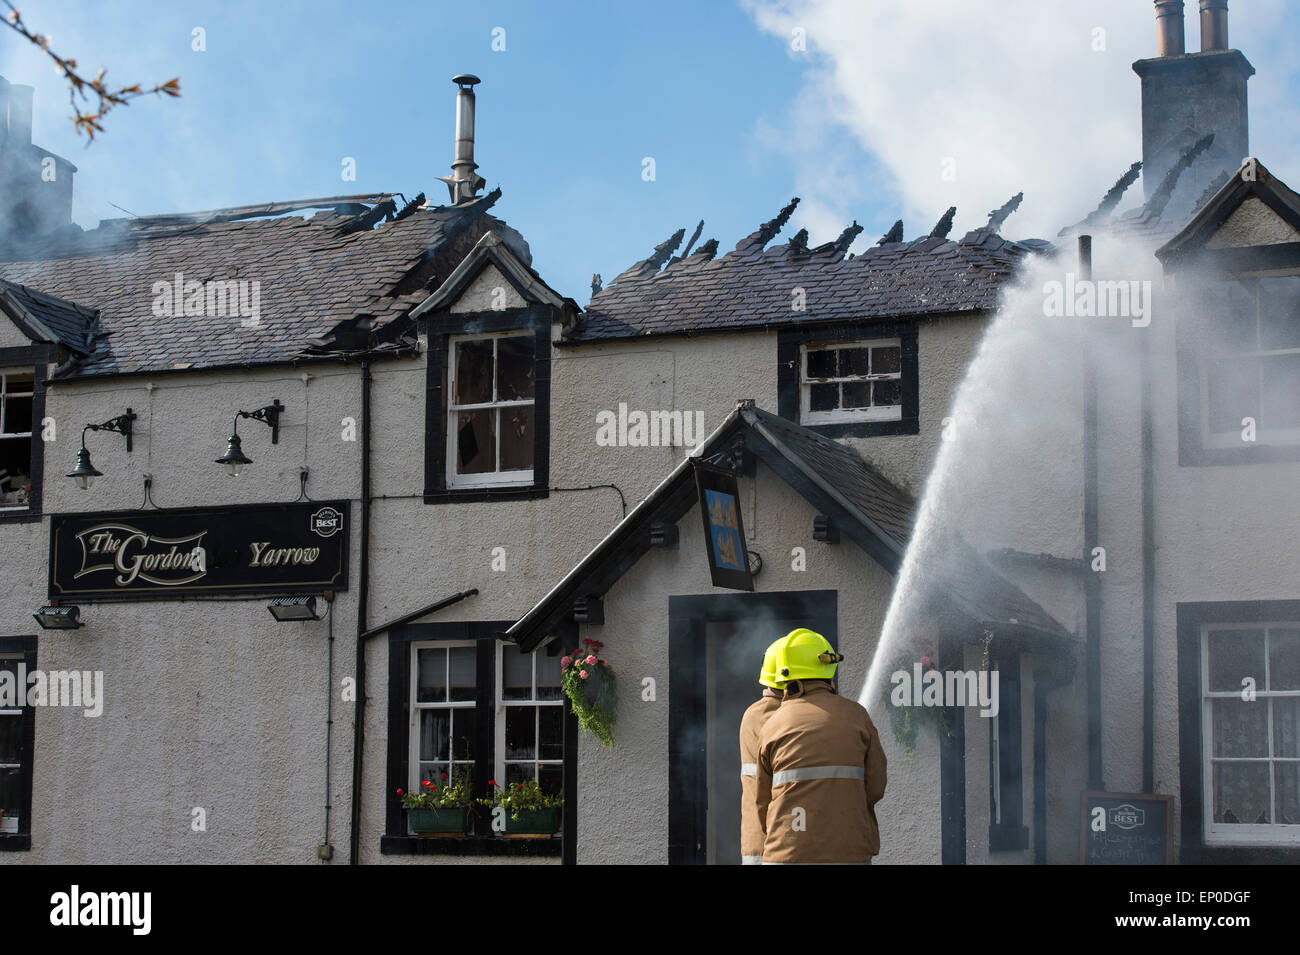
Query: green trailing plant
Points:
[522, 797]
[589, 683]
[447, 795]
[906, 721]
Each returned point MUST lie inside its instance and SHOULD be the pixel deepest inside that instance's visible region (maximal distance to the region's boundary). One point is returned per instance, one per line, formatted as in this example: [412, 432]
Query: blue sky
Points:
[736, 117]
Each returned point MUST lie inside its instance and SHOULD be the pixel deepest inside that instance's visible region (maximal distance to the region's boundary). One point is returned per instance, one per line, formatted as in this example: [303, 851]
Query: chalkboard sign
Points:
[1126, 829]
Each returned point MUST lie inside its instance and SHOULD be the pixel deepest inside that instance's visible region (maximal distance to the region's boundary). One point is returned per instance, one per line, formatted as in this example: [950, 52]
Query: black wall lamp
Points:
[234, 458]
[84, 473]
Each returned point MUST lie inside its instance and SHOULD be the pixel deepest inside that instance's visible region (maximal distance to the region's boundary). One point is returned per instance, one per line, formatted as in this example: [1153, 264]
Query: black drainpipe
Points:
[1092, 582]
[1148, 578]
[358, 719]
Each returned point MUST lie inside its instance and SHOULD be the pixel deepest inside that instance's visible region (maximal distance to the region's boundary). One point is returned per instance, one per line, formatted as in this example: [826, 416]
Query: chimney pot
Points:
[1214, 25]
[1169, 24]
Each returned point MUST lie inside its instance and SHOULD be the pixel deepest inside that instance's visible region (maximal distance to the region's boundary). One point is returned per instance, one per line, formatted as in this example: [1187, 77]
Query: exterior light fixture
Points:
[59, 618]
[84, 473]
[286, 609]
[234, 459]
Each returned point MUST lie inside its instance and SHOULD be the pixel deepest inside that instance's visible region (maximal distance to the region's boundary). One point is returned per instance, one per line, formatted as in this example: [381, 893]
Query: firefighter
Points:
[821, 769]
[751, 833]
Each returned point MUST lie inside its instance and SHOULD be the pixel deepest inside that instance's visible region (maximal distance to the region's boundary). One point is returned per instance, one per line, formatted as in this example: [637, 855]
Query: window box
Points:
[426, 822]
[850, 380]
[538, 822]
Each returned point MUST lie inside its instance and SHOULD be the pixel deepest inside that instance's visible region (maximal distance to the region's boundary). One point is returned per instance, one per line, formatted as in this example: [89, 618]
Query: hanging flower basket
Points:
[906, 721]
[590, 686]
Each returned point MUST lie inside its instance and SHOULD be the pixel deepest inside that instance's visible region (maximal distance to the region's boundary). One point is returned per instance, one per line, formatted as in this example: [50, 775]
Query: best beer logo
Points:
[327, 522]
[1127, 817]
[133, 555]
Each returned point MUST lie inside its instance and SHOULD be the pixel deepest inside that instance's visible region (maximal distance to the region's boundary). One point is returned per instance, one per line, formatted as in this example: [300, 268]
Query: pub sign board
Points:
[1126, 829]
[724, 532]
[182, 552]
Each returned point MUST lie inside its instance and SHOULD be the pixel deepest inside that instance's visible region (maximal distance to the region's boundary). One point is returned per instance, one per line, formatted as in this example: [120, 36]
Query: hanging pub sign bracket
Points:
[724, 531]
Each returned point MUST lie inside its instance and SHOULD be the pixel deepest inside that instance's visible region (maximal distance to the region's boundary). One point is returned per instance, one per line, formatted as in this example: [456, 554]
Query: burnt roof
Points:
[315, 275]
[755, 287]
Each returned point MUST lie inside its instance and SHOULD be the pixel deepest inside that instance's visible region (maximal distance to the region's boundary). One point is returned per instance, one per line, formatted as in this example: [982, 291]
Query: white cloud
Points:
[1010, 95]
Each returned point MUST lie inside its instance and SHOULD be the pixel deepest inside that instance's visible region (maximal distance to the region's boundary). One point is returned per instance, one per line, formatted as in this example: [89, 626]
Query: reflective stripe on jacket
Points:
[821, 771]
[751, 833]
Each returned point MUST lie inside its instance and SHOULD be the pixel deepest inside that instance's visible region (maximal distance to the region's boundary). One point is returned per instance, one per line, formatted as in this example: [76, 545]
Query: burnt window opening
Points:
[491, 411]
[17, 396]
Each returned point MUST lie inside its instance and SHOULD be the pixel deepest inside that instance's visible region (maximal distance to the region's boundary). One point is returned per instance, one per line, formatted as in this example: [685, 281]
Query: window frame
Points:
[842, 415]
[1192, 619]
[1197, 445]
[488, 479]
[499, 756]
[38, 358]
[791, 350]
[24, 649]
[484, 636]
[416, 708]
[438, 446]
[1242, 834]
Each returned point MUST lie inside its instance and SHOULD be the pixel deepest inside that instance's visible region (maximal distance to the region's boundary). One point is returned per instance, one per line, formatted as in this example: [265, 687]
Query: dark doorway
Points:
[716, 645]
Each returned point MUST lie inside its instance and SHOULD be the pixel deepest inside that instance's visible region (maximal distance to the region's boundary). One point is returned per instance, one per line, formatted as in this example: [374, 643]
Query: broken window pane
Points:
[476, 441]
[517, 438]
[853, 361]
[474, 372]
[821, 364]
[823, 397]
[515, 366]
[857, 394]
[886, 361]
[886, 393]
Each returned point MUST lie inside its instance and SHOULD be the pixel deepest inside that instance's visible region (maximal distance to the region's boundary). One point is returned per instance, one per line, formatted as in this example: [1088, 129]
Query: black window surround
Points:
[482, 841]
[21, 841]
[1193, 849]
[1222, 265]
[788, 344]
[441, 328]
[39, 357]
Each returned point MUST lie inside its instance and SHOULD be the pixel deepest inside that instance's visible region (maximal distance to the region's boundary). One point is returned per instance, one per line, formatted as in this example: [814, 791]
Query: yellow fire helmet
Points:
[767, 676]
[805, 655]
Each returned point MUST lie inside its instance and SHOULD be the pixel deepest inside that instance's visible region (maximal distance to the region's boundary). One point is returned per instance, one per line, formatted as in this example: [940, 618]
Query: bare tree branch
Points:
[92, 93]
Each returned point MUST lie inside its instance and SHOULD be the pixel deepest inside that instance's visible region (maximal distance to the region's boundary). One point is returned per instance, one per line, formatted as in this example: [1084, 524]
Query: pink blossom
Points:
[590, 659]
[925, 661]
[565, 661]
[583, 674]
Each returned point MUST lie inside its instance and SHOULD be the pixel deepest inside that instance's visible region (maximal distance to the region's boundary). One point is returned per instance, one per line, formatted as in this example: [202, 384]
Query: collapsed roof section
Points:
[254, 285]
[873, 512]
[757, 286]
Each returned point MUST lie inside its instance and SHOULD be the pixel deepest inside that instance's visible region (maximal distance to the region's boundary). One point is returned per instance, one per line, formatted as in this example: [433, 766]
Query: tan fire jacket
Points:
[751, 833]
[821, 771]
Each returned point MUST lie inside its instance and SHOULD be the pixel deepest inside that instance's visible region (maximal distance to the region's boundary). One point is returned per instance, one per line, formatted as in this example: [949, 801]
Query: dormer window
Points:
[17, 394]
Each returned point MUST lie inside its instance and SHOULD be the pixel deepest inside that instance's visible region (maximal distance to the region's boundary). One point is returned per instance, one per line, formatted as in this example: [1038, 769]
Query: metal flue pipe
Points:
[1169, 24]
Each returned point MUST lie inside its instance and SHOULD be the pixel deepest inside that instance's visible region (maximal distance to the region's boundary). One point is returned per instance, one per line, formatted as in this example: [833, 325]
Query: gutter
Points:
[1148, 577]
